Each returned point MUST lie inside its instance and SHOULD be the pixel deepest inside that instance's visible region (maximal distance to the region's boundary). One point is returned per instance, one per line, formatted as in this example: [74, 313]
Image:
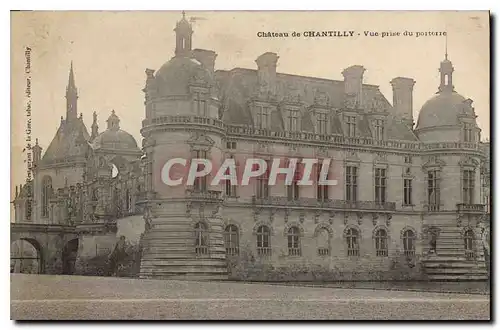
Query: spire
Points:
[113, 121]
[446, 47]
[446, 73]
[183, 37]
[71, 96]
[95, 127]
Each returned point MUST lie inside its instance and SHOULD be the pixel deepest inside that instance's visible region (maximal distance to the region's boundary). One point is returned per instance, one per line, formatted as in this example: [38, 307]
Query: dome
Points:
[443, 110]
[114, 138]
[174, 77]
[118, 139]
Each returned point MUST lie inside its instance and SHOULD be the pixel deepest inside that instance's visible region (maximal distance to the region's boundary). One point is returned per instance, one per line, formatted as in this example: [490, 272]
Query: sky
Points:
[111, 51]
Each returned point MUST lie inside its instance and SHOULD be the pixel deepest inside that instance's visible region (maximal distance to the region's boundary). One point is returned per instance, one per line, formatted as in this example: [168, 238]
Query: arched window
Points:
[381, 243]
[323, 242]
[293, 241]
[469, 244]
[409, 242]
[352, 237]
[201, 243]
[231, 237]
[46, 194]
[263, 241]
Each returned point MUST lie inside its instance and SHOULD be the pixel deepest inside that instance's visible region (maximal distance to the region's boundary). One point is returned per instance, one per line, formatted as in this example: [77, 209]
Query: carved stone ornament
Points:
[388, 220]
[302, 217]
[360, 217]
[256, 213]
[272, 213]
[374, 218]
[287, 213]
[330, 219]
[316, 217]
[346, 218]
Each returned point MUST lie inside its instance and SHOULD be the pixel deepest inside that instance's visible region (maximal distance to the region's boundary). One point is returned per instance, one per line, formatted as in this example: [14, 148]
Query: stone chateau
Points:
[412, 200]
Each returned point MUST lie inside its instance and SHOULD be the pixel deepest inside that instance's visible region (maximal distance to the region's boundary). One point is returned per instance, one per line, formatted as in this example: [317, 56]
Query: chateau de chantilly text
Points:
[349, 34]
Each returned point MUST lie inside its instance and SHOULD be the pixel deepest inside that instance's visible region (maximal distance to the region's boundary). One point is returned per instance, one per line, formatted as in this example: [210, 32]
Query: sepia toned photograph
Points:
[250, 165]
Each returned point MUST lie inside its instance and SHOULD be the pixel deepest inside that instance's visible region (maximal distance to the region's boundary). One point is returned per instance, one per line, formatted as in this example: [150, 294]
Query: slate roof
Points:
[238, 85]
[70, 141]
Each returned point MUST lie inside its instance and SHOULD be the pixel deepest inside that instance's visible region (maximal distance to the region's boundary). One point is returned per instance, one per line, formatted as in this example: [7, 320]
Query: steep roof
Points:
[69, 142]
[238, 85]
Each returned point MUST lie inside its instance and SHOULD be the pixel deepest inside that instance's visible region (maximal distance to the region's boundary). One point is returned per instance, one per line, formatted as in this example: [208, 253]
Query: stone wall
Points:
[248, 267]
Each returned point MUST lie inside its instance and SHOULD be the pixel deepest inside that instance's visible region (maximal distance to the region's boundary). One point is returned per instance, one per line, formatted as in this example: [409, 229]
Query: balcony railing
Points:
[264, 251]
[175, 120]
[470, 208]
[283, 201]
[469, 254]
[204, 195]
[294, 252]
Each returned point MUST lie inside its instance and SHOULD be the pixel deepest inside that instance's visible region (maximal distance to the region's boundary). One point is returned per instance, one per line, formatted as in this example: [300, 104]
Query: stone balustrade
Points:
[280, 201]
[470, 208]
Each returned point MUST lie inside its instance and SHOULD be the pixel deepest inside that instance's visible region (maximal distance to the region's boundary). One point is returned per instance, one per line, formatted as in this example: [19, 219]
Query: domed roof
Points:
[114, 138]
[443, 110]
[174, 77]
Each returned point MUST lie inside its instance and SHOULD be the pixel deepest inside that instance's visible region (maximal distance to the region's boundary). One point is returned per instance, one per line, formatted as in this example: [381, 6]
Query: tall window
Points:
[230, 190]
[409, 242]
[46, 195]
[352, 237]
[293, 188]
[323, 242]
[469, 244]
[380, 184]
[322, 190]
[201, 243]
[200, 104]
[262, 119]
[468, 186]
[351, 126]
[433, 193]
[263, 241]
[381, 243]
[379, 129]
[200, 183]
[263, 183]
[231, 238]
[293, 120]
[468, 137]
[293, 241]
[351, 183]
[128, 201]
[322, 123]
[407, 192]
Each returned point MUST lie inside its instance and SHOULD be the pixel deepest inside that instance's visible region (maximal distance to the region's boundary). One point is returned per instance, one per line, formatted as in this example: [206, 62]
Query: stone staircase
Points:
[451, 262]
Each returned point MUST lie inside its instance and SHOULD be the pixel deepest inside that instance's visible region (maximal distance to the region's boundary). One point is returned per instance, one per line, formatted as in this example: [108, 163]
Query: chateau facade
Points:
[412, 201]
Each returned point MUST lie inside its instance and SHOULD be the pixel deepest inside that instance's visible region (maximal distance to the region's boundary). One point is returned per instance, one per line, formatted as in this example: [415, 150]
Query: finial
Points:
[36, 141]
[62, 119]
[183, 14]
[113, 112]
[446, 47]
[81, 115]
[94, 116]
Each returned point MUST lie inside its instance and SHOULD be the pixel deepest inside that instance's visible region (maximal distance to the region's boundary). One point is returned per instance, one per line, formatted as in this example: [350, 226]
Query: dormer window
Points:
[468, 137]
[322, 122]
[200, 104]
[351, 126]
[293, 120]
[379, 129]
[262, 119]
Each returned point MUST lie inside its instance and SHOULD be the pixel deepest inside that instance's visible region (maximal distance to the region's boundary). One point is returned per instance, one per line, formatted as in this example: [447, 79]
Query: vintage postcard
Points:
[257, 165]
